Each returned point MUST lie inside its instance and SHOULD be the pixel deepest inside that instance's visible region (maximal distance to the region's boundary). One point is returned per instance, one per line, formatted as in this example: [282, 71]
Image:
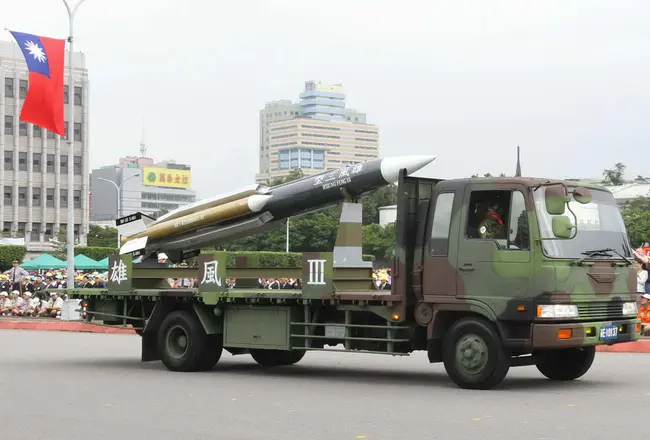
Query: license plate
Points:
[609, 332]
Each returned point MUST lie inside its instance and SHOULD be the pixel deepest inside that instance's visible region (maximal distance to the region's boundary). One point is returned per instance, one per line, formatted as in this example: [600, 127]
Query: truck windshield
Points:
[600, 226]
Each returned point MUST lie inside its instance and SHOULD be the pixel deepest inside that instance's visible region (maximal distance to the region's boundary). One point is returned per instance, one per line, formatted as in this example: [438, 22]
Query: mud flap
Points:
[149, 338]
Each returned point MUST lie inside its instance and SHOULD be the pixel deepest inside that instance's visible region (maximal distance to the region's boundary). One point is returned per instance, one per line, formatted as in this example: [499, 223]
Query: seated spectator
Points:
[644, 313]
[4, 303]
[53, 307]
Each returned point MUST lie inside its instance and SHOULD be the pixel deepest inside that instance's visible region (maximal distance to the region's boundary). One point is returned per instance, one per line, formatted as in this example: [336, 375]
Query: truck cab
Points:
[515, 271]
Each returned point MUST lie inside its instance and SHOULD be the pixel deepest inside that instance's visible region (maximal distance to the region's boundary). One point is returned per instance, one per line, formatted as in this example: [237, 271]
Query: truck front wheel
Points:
[184, 344]
[473, 354]
[565, 364]
[276, 358]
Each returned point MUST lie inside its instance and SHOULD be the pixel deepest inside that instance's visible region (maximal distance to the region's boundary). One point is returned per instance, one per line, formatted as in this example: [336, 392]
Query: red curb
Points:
[626, 347]
[61, 326]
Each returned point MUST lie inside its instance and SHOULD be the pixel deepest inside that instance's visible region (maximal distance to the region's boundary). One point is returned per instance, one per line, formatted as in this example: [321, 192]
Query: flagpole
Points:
[70, 135]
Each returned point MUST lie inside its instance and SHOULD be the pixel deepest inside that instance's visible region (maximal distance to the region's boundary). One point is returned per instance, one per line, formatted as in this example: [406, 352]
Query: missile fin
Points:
[135, 245]
[133, 224]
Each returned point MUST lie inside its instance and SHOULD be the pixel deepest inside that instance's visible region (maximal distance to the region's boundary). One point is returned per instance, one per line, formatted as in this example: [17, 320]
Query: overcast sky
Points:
[467, 81]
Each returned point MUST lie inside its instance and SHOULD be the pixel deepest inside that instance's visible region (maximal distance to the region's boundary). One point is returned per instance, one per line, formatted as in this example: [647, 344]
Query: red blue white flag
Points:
[43, 104]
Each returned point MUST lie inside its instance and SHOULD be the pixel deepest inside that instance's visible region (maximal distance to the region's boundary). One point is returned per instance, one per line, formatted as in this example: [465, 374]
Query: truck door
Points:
[439, 261]
[494, 256]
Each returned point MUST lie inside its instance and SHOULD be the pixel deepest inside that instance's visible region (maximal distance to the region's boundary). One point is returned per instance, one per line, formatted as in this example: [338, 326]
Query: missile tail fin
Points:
[133, 224]
[134, 246]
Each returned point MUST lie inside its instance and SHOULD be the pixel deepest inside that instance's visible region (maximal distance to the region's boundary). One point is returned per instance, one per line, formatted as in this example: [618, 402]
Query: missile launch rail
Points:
[478, 304]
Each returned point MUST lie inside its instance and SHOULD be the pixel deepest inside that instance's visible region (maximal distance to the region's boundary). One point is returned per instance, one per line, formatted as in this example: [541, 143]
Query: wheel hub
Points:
[471, 354]
[177, 342]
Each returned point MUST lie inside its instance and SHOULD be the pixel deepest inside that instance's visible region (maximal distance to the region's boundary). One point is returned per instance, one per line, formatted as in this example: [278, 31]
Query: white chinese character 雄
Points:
[118, 273]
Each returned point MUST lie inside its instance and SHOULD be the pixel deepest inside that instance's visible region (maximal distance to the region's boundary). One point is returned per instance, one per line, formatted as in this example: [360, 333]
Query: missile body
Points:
[259, 208]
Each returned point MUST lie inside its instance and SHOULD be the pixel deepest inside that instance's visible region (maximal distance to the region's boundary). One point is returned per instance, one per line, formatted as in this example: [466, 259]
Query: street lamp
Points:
[118, 188]
[70, 272]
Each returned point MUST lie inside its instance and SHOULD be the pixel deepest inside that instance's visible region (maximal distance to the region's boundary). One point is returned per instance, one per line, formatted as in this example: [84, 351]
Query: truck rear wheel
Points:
[473, 354]
[276, 358]
[565, 364]
[184, 344]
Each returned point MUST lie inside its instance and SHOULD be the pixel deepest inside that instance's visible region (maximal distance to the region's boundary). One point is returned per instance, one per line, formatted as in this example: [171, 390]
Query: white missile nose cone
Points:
[391, 166]
[257, 202]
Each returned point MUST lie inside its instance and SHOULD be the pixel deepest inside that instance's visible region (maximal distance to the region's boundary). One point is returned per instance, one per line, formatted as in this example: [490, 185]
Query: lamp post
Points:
[70, 135]
[118, 188]
[287, 235]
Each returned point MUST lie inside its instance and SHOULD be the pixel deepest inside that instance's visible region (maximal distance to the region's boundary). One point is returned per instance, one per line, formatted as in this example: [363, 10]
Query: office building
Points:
[141, 185]
[313, 135]
[34, 175]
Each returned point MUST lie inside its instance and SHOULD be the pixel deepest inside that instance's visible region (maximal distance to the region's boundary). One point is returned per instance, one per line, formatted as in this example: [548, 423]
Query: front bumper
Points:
[582, 334]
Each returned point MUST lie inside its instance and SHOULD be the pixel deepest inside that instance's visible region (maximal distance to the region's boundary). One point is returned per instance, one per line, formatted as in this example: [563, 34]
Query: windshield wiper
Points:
[601, 253]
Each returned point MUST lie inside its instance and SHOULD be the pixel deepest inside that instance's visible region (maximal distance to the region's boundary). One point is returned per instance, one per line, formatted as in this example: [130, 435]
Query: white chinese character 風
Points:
[118, 273]
[319, 180]
[345, 172]
[357, 168]
[210, 273]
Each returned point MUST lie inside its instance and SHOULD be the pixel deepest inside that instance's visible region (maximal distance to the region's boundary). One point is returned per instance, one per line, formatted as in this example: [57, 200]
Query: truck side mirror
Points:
[555, 199]
[562, 226]
[582, 195]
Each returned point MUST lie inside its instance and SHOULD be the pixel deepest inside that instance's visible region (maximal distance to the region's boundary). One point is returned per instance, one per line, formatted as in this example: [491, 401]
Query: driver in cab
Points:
[492, 226]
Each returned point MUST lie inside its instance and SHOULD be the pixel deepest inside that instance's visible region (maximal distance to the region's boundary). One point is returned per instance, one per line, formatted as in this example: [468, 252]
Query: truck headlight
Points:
[630, 308]
[557, 311]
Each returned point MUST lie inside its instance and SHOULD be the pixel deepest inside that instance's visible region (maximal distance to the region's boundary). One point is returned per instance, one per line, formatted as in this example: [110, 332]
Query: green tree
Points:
[379, 241]
[60, 243]
[102, 236]
[636, 215]
[615, 176]
[384, 196]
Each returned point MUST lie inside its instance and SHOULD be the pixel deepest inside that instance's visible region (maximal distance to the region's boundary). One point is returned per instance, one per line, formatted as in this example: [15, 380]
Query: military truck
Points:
[555, 281]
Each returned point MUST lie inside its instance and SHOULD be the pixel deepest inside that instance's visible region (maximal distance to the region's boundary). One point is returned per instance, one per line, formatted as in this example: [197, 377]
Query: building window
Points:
[302, 158]
[21, 229]
[36, 197]
[9, 124]
[64, 163]
[22, 128]
[65, 136]
[49, 230]
[77, 131]
[50, 163]
[36, 231]
[22, 196]
[37, 131]
[77, 96]
[6, 228]
[64, 198]
[22, 88]
[77, 164]
[9, 160]
[22, 161]
[8, 195]
[49, 198]
[75, 231]
[77, 198]
[66, 94]
[9, 87]
[50, 134]
[36, 162]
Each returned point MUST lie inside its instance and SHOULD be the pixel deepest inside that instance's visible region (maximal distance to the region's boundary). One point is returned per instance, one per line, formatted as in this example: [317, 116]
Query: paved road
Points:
[78, 386]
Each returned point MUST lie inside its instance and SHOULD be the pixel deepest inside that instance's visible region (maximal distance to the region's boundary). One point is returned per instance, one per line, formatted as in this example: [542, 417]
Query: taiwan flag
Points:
[43, 104]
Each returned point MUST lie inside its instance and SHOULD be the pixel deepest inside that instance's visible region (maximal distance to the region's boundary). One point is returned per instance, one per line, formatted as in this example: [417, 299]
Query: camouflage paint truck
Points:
[559, 282]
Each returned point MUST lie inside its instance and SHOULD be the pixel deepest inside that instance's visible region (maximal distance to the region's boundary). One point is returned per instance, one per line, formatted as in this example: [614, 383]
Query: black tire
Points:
[211, 352]
[488, 364]
[184, 345]
[276, 358]
[565, 364]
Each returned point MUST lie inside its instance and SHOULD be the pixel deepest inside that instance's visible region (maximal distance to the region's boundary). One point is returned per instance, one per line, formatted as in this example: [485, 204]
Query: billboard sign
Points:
[166, 177]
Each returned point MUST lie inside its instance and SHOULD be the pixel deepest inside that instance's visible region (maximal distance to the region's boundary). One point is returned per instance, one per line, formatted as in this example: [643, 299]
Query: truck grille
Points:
[605, 310]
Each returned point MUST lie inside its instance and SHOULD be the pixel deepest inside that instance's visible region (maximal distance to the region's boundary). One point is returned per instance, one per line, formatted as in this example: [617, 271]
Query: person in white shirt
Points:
[641, 278]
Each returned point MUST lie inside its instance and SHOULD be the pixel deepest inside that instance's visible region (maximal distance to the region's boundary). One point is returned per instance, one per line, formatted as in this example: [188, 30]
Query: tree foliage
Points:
[636, 215]
[102, 236]
[615, 176]
[8, 253]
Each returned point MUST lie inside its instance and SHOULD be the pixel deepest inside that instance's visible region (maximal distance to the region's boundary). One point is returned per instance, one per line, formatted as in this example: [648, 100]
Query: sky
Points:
[467, 81]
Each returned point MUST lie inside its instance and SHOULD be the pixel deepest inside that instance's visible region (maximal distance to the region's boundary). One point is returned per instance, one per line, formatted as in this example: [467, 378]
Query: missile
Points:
[258, 208]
